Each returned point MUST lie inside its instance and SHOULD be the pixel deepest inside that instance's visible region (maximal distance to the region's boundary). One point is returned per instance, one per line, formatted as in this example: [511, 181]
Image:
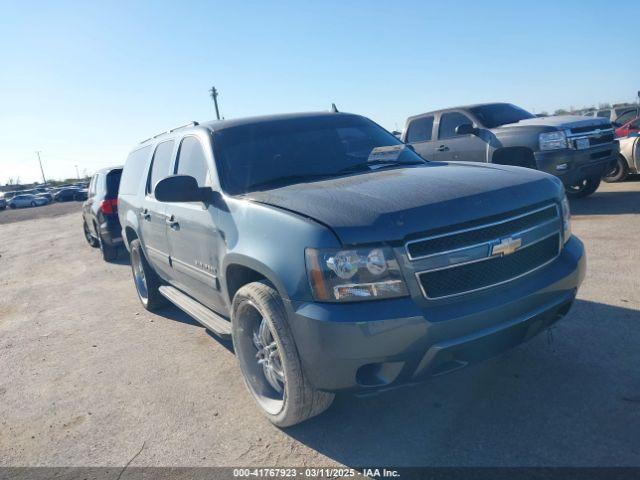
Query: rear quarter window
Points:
[113, 182]
[134, 171]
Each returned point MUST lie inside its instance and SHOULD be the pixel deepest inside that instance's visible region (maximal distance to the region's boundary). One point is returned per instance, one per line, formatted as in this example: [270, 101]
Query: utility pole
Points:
[44, 180]
[77, 173]
[214, 94]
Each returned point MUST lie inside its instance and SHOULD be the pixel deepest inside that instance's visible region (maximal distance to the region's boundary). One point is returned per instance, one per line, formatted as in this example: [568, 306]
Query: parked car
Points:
[632, 126]
[81, 195]
[65, 194]
[338, 259]
[578, 150]
[100, 213]
[628, 160]
[46, 195]
[618, 115]
[3, 203]
[27, 201]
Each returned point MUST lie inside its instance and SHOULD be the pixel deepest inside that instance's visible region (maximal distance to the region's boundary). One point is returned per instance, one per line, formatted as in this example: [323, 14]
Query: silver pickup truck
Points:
[578, 150]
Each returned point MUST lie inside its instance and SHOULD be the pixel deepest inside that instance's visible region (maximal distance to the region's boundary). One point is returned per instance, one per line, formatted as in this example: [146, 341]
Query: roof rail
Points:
[186, 125]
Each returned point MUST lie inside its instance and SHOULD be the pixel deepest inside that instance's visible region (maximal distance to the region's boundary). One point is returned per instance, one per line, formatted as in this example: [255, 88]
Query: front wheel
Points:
[583, 188]
[269, 359]
[34, 204]
[620, 171]
[146, 280]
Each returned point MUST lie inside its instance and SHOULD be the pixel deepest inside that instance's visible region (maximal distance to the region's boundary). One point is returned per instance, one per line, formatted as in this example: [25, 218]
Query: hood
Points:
[390, 205]
[562, 121]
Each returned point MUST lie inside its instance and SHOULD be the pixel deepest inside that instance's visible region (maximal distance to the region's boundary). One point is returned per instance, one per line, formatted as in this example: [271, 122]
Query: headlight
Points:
[552, 140]
[354, 274]
[566, 219]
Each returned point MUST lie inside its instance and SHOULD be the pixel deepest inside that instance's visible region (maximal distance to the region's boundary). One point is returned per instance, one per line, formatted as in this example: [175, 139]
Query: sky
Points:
[83, 82]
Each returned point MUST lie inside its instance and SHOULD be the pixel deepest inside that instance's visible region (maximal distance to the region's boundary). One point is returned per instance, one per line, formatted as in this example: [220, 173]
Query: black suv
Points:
[100, 213]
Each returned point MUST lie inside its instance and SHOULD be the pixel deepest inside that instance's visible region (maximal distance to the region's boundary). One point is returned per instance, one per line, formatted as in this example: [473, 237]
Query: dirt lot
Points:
[89, 378]
[46, 211]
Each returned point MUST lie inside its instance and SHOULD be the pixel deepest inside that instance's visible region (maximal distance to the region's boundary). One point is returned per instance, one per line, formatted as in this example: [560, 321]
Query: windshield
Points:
[497, 114]
[276, 153]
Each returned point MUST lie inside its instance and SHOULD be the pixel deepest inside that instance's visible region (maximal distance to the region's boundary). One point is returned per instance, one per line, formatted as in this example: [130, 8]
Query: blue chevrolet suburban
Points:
[340, 260]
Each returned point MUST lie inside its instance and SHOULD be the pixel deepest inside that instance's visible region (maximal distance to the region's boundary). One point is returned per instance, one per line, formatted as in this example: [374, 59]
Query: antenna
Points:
[334, 109]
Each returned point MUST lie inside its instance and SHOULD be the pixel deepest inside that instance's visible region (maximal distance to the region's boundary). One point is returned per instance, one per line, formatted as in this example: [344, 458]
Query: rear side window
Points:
[161, 164]
[449, 122]
[133, 172]
[192, 161]
[420, 130]
[113, 183]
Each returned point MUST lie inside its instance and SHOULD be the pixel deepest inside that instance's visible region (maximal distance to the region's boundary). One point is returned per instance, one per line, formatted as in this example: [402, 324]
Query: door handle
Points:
[145, 214]
[172, 222]
[442, 148]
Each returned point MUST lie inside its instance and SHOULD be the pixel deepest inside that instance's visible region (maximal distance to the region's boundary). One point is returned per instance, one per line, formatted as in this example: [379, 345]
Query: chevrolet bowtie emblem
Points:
[507, 246]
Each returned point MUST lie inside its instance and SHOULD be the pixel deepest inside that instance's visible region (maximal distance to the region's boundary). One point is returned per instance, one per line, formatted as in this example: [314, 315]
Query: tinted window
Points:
[626, 117]
[420, 130]
[604, 113]
[113, 182]
[281, 152]
[192, 160]
[161, 164]
[449, 122]
[134, 171]
[497, 114]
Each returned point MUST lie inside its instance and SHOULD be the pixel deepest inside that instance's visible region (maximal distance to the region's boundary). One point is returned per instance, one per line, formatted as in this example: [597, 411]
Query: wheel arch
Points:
[240, 270]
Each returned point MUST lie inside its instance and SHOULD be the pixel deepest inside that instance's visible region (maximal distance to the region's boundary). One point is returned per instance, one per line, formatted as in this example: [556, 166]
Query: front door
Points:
[192, 233]
[419, 136]
[153, 224]
[452, 147]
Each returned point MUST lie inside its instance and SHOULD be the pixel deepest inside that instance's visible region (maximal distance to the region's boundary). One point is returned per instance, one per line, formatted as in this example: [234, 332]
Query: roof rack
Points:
[186, 125]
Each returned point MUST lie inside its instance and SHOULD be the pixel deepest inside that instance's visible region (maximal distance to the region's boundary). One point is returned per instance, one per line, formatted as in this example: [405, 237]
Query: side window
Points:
[161, 164]
[449, 122]
[92, 186]
[192, 161]
[420, 130]
[133, 172]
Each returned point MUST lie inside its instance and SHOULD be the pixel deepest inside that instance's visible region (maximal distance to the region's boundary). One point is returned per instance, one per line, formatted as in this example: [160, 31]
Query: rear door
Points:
[153, 226]
[452, 147]
[192, 233]
[420, 136]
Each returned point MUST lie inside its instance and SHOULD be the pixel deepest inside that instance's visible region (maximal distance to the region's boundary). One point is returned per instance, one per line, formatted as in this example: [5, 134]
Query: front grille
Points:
[489, 272]
[459, 239]
[608, 138]
[591, 128]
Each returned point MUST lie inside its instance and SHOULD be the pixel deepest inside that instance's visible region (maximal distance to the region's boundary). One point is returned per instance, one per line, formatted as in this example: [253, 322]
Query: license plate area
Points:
[582, 143]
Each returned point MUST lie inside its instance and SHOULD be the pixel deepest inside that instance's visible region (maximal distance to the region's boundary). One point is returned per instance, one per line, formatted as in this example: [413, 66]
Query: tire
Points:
[147, 286]
[109, 253]
[262, 340]
[12, 206]
[619, 172]
[91, 240]
[584, 188]
[34, 204]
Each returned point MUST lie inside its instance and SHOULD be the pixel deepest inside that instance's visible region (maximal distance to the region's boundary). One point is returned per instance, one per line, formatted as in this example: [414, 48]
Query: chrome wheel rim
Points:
[260, 358]
[268, 356]
[138, 274]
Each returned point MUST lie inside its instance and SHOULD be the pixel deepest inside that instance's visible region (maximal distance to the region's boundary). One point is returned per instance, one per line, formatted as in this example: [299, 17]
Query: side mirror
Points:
[181, 188]
[466, 129]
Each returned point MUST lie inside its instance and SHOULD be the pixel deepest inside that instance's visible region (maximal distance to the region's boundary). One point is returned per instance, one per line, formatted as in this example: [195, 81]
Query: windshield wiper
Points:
[381, 163]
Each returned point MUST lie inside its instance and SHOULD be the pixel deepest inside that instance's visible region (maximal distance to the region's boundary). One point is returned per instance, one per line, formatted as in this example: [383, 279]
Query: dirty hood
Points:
[392, 204]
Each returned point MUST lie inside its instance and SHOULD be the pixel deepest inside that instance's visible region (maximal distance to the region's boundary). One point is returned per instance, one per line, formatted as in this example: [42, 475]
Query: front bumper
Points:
[580, 164]
[383, 344]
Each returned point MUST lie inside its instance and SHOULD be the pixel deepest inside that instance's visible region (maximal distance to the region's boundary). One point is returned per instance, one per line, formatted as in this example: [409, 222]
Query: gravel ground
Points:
[50, 210]
[89, 378]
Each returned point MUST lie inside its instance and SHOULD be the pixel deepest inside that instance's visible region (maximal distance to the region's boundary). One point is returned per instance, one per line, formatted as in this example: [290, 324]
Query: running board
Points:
[209, 319]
